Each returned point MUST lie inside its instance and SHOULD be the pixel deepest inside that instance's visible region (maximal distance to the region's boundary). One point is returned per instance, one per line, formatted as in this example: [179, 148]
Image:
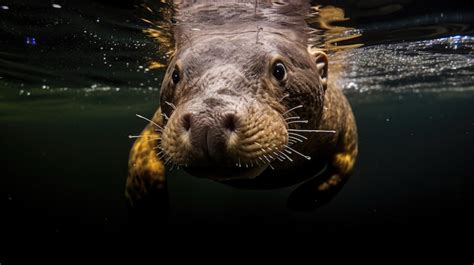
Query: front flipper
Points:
[323, 188]
[146, 187]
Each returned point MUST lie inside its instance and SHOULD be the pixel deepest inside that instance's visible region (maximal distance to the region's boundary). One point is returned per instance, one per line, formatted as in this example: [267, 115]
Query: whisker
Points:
[171, 105]
[291, 160]
[143, 136]
[293, 118]
[302, 121]
[297, 107]
[263, 149]
[295, 139]
[135, 136]
[299, 135]
[316, 131]
[305, 156]
[154, 123]
[267, 159]
[165, 116]
[281, 158]
[284, 97]
[158, 146]
[167, 160]
[273, 151]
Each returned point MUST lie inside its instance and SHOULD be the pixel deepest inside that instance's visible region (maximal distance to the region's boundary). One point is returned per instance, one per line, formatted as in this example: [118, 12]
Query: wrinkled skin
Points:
[227, 105]
[226, 115]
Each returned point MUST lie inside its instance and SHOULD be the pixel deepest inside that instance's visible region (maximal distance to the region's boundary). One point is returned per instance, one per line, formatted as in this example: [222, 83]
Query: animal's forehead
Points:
[236, 47]
[222, 46]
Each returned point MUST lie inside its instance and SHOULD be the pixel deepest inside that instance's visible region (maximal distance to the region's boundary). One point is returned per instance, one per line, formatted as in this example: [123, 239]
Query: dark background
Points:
[64, 154]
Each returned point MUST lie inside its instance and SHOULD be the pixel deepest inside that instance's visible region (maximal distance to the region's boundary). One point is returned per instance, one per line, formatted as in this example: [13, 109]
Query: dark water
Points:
[73, 76]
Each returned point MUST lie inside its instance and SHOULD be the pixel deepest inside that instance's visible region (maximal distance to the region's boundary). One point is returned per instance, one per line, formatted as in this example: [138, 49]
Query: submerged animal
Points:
[244, 101]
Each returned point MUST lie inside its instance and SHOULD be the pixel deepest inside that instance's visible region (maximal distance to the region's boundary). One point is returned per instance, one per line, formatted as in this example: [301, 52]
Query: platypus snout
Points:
[231, 137]
[209, 135]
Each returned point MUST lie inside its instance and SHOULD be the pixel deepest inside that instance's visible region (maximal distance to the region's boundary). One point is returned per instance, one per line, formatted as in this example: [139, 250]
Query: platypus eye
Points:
[279, 71]
[175, 76]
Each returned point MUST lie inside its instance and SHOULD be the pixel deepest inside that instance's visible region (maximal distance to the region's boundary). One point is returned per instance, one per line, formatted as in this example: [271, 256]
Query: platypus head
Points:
[232, 91]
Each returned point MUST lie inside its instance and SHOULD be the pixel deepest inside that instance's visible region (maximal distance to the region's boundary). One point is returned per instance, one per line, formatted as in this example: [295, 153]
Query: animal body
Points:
[244, 101]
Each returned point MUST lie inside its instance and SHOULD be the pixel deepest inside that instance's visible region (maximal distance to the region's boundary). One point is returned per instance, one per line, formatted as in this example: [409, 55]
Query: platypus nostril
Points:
[230, 122]
[186, 121]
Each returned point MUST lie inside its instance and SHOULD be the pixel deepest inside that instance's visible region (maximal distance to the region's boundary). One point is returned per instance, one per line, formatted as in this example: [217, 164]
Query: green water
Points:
[66, 158]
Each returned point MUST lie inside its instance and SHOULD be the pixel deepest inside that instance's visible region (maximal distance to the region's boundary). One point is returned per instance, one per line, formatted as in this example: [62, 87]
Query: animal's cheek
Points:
[272, 95]
[176, 143]
[260, 132]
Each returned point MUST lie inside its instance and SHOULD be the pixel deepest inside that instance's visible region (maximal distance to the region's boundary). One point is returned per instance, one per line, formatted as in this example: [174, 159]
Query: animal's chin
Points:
[225, 173]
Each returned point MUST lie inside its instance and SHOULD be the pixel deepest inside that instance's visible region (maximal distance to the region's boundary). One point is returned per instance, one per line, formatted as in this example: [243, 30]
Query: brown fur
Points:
[224, 66]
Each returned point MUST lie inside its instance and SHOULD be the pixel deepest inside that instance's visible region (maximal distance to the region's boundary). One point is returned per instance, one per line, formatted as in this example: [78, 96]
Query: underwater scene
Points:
[328, 116]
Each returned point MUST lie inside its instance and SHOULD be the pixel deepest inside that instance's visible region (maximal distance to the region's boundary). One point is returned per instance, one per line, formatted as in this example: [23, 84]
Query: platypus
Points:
[246, 101]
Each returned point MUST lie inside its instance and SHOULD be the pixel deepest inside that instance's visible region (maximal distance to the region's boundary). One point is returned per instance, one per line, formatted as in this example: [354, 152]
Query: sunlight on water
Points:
[114, 63]
[327, 34]
[438, 65]
[445, 64]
